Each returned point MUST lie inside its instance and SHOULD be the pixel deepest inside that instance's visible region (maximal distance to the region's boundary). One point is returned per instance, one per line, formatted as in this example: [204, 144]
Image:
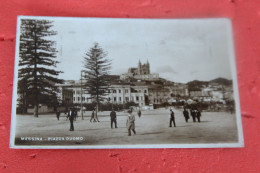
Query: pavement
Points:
[152, 128]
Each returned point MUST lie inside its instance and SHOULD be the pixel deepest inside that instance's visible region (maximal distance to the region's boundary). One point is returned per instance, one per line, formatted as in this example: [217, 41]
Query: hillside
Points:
[221, 81]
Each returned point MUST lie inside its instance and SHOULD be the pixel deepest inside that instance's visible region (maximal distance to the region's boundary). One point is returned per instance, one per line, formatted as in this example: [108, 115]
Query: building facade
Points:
[117, 93]
[121, 94]
[142, 72]
[144, 88]
[65, 95]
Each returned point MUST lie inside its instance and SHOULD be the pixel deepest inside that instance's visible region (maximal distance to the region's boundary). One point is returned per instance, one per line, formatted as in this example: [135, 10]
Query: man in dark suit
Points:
[71, 118]
[58, 114]
[92, 116]
[193, 115]
[75, 114]
[198, 115]
[139, 113]
[186, 115]
[172, 118]
[113, 118]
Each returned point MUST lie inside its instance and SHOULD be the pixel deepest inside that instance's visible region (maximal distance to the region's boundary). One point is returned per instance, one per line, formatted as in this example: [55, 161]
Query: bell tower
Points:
[139, 67]
[148, 66]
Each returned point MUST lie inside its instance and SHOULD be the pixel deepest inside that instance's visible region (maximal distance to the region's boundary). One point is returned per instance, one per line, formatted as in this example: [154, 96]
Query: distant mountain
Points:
[197, 83]
[221, 81]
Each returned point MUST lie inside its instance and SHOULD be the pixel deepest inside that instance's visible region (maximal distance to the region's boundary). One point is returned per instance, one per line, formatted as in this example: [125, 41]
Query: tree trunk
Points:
[36, 104]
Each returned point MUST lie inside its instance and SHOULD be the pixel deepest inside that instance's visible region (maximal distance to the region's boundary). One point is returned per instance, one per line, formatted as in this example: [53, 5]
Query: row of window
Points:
[158, 100]
[119, 91]
[126, 98]
[112, 91]
[78, 98]
[109, 99]
[126, 91]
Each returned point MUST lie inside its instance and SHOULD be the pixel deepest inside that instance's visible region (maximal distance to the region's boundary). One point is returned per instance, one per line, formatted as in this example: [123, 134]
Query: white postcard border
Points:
[240, 142]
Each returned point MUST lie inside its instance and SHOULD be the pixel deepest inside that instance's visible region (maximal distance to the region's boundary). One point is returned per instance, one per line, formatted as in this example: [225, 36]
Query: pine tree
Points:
[97, 74]
[37, 76]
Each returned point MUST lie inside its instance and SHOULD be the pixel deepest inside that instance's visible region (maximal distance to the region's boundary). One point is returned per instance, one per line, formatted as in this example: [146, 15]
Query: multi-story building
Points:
[65, 95]
[76, 87]
[158, 94]
[123, 93]
[178, 90]
[215, 93]
[200, 94]
[154, 76]
[138, 85]
[118, 93]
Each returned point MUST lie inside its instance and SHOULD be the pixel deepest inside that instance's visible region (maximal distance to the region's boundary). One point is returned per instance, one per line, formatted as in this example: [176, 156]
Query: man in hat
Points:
[93, 116]
[58, 114]
[139, 113]
[75, 114]
[130, 123]
[198, 115]
[172, 118]
[193, 114]
[113, 118]
[71, 118]
[186, 115]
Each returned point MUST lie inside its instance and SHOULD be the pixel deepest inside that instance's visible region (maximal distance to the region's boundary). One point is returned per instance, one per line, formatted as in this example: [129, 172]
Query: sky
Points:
[179, 50]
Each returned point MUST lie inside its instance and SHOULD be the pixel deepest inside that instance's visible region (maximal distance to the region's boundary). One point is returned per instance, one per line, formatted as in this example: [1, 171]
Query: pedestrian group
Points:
[130, 122]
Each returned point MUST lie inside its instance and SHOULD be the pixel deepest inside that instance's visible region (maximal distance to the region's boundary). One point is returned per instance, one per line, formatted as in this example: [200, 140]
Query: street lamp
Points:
[81, 90]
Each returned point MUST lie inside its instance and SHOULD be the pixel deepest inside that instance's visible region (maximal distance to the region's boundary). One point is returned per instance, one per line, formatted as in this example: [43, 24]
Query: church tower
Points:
[139, 67]
[148, 66]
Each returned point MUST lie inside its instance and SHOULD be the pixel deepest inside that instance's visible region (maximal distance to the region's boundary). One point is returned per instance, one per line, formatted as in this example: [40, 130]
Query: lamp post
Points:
[123, 92]
[81, 91]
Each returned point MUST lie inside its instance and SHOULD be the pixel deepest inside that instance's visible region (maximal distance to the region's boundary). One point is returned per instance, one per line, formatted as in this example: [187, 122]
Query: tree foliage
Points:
[97, 68]
[37, 74]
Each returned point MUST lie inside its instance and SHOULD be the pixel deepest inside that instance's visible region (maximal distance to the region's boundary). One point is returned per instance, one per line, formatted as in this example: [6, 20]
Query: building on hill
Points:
[177, 90]
[143, 69]
[158, 94]
[142, 72]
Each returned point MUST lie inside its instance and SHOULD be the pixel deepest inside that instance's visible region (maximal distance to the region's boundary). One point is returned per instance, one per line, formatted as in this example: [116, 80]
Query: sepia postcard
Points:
[125, 83]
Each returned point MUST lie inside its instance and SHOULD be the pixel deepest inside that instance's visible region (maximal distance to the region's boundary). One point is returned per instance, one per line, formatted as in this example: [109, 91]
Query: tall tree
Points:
[37, 62]
[97, 67]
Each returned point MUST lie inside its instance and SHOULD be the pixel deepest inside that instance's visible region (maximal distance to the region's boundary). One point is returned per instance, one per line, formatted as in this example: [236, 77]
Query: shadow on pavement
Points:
[151, 133]
[183, 126]
[100, 129]
[204, 121]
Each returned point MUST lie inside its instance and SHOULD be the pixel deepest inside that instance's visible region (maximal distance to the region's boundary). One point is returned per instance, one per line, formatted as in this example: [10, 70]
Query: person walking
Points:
[75, 114]
[130, 123]
[186, 115]
[93, 116]
[198, 115]
[139, 113]
[58, 114]
[71, 118]
[113, 118]
[193, 115]
[172, 118]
